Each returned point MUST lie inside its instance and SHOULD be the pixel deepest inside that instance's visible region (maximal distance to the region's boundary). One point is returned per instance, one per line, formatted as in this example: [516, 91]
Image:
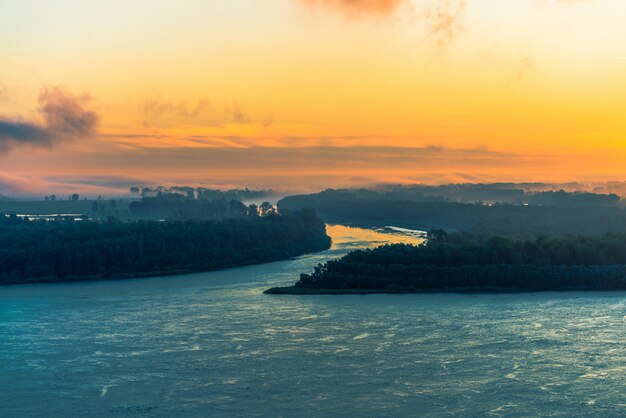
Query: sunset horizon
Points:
[303, 95]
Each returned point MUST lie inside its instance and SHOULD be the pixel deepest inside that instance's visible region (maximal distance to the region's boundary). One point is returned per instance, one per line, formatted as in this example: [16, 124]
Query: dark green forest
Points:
[214, 205]
[549, 213]
[40, 251]
[466, 262]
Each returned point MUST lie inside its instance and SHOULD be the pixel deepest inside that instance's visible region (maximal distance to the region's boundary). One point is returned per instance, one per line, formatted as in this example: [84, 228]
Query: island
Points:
[74, 249]
[464, 262]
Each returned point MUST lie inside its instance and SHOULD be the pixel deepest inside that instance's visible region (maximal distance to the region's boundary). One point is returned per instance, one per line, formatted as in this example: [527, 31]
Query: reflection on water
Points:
[350, 238]
[212, 344]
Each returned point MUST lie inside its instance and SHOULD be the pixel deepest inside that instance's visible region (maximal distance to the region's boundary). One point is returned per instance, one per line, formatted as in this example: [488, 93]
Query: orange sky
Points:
[306, 94]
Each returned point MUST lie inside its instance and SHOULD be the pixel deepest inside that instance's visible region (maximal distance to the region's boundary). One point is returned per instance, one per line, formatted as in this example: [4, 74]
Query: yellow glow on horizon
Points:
[527, 77]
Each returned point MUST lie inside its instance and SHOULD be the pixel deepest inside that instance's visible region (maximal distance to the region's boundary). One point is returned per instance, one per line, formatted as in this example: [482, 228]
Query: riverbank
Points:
[293, 290]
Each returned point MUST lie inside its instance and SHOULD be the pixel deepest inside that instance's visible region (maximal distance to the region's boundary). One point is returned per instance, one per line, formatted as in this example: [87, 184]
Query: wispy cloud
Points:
[446, 20]
[63, 117]
[156, 111]
[317, 158]
[355, 8]
[93, 185]
[105, 182]
[443, 18]
[3, 92]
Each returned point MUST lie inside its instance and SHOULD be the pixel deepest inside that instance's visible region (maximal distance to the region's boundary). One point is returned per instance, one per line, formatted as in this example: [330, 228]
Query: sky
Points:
[300, 95]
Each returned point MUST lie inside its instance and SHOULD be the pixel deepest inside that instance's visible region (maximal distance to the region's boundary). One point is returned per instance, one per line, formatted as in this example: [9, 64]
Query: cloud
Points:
[443, 18]
[156, 111]
[63, 118]
[119, 183]
[290, 159]
[4, 94]
[279, 168]
[238, 114]
[525, 66]
[359, 7]
[446, 20]
[17, 185]
[568, 2]
[152, 107]
[14, 185]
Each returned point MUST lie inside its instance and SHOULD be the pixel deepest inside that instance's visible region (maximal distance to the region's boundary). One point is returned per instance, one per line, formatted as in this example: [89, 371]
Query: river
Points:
[213, 344]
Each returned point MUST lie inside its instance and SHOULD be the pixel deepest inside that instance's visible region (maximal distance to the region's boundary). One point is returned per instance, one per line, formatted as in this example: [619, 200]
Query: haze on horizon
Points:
[306, 94]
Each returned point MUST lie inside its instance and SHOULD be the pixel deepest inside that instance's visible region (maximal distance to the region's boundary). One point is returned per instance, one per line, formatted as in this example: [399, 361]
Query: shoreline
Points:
[149, 275]
[303, 291]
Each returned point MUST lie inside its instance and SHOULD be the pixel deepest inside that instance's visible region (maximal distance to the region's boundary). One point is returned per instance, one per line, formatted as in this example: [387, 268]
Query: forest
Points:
[570, 194]
[201, 192]
[466, 262]
[548, 213]
[68, 250]
[217, 205]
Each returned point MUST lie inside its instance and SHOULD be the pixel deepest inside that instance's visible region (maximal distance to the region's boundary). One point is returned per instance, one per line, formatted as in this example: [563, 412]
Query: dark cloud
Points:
[12, 132]
[109, 182]
[63, 118]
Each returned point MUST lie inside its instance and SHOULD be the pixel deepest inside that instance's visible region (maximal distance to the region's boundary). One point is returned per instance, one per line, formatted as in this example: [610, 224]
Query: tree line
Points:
[469, 262]
[39, 251]
[176, 206]
[498, 219]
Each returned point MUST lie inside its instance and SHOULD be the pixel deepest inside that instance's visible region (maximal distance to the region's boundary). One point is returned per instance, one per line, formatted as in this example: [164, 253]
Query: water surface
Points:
[212, 344]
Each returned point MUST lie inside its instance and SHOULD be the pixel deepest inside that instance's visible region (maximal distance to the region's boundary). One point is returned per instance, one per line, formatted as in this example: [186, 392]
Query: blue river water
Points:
[213, 344]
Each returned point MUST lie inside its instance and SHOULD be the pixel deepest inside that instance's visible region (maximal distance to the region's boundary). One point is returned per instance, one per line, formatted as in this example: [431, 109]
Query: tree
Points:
[266, 208]
[75, 197]
[438, 236]
[236, 208]
[253, 210]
